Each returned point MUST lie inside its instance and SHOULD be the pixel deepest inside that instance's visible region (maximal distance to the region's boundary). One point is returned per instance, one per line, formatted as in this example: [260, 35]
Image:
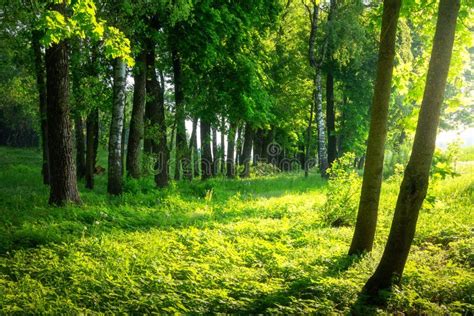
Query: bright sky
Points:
[446, 137]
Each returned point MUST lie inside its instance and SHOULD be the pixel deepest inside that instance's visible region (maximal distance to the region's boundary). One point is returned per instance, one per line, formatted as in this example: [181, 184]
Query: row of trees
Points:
[281, 79]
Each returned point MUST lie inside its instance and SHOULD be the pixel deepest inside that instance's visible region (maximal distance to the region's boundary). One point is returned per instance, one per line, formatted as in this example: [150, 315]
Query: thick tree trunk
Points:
[415, 181]
[238, 147]
[247, 151]
[60, 146]
[331, 119]
[80, 147]
[230, 165]
[135, 136]
[92, 143]
[156, 125]
[215, 154]
[258, 150]
[41, 86]
[322, 153]
[369, 200]
[114, 185]
[206, 158]
[182, 154]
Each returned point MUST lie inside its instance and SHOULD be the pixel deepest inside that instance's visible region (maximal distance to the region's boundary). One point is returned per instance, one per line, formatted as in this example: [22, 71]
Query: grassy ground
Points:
[256, 246]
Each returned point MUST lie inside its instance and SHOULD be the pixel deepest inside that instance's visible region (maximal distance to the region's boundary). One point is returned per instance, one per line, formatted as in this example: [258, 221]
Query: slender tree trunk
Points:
[41, 86]
[322, 153]
[62, 168]
[92, 127]
[193, 149]
[247, 150]
[215, 154]
[230, 166]
[309, 134]
[369, 200]
[206, 159]
[318, 98]
[222, 148]
[114, 185]
[182, 154]
[124, 137]
[136, 121]
[331, 119]
[80, 147]
[415, 181]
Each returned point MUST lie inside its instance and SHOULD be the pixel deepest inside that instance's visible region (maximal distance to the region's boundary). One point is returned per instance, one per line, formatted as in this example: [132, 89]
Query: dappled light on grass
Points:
[253, 246]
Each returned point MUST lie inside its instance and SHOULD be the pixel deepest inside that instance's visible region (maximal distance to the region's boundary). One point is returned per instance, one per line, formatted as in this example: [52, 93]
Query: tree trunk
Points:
[230, 166]
[114, 185]
[247, 151]
[369, 200]
[322, 153]
[331, 119]
[309, 134]
[62, 168]
[80, 147]
[193, 149]
[239, 145]
[41, 86]
[182, 153]
[155, 106]
[415, 181]
[222, 148]
[136, 121]
[206, 158]
[215, 155]
[92, 142]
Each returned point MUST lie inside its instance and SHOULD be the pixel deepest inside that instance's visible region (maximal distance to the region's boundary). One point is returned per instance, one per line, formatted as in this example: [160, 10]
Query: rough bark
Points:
[309, 134]
[114, 185]
[135, 136]
[63, 172]
[415, 181]
[92, 143]
[247, 151]
[230, 162]
[206, 158]
[369, 200]
[41, 86]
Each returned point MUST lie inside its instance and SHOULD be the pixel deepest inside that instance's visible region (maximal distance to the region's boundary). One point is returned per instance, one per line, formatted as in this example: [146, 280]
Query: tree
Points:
[369, 200]
[247, 150]
[136, 121]
[41, 86]
[114, 184]
[415, 181]
[63, 180]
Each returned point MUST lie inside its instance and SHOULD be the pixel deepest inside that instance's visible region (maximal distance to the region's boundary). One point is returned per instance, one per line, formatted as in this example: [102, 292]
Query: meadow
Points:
[275, 244]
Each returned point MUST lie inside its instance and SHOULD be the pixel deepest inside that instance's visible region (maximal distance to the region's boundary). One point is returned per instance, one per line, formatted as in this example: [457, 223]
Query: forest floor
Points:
[262, 245]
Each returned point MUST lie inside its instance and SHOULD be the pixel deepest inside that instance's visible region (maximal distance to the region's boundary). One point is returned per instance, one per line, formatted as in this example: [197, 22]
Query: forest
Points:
[237, 157]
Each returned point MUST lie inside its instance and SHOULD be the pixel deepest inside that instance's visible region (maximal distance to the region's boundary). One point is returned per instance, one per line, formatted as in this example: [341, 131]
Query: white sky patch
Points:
[446, 137]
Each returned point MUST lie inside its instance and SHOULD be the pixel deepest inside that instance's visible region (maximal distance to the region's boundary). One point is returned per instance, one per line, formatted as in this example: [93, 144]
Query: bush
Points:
[343, 192]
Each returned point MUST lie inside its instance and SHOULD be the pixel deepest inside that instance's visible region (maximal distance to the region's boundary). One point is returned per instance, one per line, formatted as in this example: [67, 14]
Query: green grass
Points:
[251, 246]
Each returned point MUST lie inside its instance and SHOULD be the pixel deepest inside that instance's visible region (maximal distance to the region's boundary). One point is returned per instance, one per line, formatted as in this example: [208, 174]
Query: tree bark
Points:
[182, 154]
[331, 119]
[62, 168]
[114, 185]
[80, 147]
[193, 149]
[309, 134]
[215, 155]
[92, 143]
[369, 200]
[41, 86]
[135, 136]
[206, 158]
[247, 150]
[222, 148]
[230, 166]
[415, 181]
